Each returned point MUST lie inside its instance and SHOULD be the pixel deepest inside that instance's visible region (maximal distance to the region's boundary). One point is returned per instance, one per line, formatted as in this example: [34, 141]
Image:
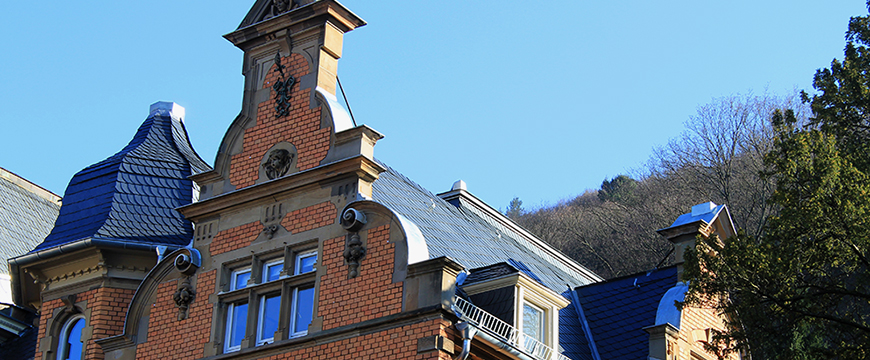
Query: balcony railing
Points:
[504, 331]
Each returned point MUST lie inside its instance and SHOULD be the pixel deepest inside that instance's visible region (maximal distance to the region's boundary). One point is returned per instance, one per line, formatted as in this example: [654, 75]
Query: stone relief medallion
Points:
[278, 161]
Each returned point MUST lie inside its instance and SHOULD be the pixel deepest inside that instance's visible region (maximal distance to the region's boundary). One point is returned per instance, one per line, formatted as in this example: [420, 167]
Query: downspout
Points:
[468, 333]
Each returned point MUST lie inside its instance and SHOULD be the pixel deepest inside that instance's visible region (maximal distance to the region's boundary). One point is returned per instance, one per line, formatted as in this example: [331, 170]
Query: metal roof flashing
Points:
[340, 118]
[667, 311]
[459, 192]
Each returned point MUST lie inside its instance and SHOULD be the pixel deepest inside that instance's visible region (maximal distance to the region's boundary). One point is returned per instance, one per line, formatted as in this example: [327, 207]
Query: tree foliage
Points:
[515, 209]
[800, 289]
[612, 230]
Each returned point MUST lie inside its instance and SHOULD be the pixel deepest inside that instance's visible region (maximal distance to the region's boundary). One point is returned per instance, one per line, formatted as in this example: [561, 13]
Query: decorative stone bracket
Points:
[270, 230]
[186, 264]
[353, 220]
[183, 297]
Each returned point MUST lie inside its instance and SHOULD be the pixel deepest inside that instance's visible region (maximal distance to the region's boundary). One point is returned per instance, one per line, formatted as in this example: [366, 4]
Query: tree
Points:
[801, 289]
[515, 209]
[619, 189]
[719, 157]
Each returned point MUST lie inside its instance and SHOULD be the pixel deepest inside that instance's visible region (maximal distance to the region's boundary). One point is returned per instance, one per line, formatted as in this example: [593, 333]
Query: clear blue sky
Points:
[539, 100]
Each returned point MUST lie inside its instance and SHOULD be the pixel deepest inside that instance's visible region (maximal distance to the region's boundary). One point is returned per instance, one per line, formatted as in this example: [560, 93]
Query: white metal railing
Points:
[504, 331]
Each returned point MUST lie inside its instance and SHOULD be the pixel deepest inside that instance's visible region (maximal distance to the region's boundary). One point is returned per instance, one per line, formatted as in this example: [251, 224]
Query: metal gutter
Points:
[30, 258]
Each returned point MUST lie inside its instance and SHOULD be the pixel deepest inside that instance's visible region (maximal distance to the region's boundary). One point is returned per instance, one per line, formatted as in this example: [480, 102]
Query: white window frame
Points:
[261, 339]
[231, 309]
[229, 332]
[64, 335]
[235, 277]
[266, 266]
[257, 292]
[298, 268]
[542, 327]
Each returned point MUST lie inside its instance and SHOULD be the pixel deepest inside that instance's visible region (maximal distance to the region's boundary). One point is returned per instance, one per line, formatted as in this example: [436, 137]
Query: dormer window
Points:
[514, 299]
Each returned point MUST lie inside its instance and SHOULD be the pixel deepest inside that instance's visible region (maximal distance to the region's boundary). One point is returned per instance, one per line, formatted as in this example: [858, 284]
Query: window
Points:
[533, 321]
[70, 344]
[237, 313]
[256, 305]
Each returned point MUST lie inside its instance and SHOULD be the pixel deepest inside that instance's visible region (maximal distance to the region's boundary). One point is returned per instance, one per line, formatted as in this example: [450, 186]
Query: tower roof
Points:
[132, 195]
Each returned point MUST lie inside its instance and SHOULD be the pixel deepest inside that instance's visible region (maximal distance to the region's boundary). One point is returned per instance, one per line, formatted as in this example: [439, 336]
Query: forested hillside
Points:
[718, 157]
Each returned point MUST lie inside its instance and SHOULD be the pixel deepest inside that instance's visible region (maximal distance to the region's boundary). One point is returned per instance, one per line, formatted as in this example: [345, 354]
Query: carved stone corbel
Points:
[183, 297]
[353, 220]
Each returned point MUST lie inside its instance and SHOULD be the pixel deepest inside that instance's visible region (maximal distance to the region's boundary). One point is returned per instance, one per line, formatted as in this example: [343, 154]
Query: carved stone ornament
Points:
[281, 6]
[69, 303]
[282, 88]
[353, 253]
[270, 230]
[183, 297]
[353, 220]
[278, 163]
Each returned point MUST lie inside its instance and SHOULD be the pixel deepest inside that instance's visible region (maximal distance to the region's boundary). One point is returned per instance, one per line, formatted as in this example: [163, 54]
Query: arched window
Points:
[69, 346]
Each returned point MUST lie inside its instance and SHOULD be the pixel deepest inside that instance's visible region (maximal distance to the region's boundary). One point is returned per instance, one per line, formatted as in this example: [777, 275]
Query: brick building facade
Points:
[298, 243]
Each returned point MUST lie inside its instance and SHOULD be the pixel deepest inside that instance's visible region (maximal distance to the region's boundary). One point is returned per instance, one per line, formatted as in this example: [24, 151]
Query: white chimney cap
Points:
[702, 209]
[167, 107]
[460, 185]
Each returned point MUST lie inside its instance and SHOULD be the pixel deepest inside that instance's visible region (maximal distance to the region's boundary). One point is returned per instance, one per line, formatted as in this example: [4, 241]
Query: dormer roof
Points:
[132, 195]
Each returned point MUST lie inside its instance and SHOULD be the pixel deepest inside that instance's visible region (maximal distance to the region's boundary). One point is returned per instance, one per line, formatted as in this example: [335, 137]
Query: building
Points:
[298, 243]
[19, 234]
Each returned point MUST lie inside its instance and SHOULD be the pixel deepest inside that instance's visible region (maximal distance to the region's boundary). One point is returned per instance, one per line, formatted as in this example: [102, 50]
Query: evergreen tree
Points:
[801, 289]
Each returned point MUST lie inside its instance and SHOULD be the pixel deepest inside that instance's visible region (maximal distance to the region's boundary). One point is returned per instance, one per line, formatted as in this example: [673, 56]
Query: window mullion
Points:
[251, 324]
[284, 322]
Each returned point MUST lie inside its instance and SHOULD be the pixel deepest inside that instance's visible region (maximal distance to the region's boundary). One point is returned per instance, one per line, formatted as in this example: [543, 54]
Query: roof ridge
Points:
[28, 185]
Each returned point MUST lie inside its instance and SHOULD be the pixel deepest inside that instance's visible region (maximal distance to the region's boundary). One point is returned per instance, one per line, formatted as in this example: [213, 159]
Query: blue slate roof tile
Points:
[460, 234]
[132, 194]
[617, 310]
[19, 234]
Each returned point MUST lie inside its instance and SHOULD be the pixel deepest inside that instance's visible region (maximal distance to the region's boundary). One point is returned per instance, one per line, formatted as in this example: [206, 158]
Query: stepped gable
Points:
[464, 235]
[133, 194]
[19, 234]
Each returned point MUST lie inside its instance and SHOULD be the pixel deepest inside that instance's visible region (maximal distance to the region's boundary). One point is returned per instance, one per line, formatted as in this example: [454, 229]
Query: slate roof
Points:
[572, 339]
[133, 194]
[464, 235]
[617, 310]
[19, 234]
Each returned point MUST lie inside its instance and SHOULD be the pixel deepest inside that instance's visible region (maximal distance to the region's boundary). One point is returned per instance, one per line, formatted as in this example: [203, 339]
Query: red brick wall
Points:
[235, 238]
[370, 295]
[45, 314]
[398, 343]
[108, 308]
[301, 127]
[169, 338]
[108, 312]
[309, 218]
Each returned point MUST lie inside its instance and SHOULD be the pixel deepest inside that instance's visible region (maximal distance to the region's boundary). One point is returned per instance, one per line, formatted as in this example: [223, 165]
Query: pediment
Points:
[267, 9]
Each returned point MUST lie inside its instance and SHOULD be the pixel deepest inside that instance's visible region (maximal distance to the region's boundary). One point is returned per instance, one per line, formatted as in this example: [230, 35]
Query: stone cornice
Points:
[361, 166]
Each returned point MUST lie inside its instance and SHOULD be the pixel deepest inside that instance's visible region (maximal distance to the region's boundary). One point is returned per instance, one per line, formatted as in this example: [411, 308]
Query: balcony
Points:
[503, 331]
